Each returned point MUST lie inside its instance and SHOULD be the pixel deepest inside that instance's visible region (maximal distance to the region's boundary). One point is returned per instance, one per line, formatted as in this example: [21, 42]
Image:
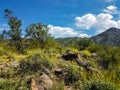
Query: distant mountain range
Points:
[110, 37]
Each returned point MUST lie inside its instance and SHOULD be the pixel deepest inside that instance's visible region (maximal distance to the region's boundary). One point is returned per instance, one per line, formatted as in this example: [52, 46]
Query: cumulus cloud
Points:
[100, 22]
[58, 31]
[86, 21]
[111, 9]
[83, 35]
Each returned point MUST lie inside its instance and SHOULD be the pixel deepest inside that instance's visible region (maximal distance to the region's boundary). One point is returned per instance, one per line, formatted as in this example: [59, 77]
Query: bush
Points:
[13, 85]
[33, 64]
[109, 56]
[41, 59]
[7, 74]
[29, 66]
[93, 48]
[7, 85]
[83, 43]
[2, 52]
[71, 50]
[85, 53]
[99, 85]
[73, 73]
[58, 86]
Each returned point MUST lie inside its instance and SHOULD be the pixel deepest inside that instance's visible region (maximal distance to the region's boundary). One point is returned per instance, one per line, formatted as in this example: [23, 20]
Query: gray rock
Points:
[45, 81]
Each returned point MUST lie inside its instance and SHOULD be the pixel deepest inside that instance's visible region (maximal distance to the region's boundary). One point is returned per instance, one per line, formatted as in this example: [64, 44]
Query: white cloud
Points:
[104, 22]
[111, 9]
[58, 31]
[100, 22]
[83, 35]
[61, 31]
[86, 21]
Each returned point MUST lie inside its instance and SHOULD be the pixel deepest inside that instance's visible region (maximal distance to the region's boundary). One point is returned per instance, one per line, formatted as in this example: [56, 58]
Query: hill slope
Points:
[109, 37]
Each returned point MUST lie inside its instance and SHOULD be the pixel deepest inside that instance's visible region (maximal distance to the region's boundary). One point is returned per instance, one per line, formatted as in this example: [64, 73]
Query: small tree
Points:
[39, 33]
[14, 34]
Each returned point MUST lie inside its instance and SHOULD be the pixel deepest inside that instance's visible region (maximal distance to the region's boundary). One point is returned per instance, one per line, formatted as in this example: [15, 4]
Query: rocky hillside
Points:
[109, 37]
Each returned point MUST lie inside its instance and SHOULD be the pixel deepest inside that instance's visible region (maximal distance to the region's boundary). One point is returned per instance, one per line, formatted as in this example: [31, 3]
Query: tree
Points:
[14, 34]
[39, 33]
[84, 43]
[109, 56]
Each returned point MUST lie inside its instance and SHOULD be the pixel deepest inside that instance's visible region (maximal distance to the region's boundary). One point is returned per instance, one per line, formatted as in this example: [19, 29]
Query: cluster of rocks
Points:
[78, 59]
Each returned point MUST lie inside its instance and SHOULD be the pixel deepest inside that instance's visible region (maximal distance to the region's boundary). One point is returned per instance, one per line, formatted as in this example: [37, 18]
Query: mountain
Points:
[109, 37]
[67, 41]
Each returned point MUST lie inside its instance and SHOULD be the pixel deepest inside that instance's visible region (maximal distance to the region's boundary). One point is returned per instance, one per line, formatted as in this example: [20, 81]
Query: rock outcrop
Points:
[45, 81]
[80, 62]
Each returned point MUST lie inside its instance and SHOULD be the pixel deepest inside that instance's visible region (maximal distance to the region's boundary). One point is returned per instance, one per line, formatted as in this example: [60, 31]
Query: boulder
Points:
[69, 56]
[45, 81]
[34, 86]
[59, 72]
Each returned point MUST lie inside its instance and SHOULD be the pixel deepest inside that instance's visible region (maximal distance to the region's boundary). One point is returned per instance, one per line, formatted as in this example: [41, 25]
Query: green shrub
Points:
[99, 85]
[13, 85]
[71, 50]
[29, 66]
[2, 52]
[58, 86]
[41, 59]
[7, 73]
[73, 73]
[7, 85]
[95, 48]
[33, 64]
[83, 43]
[85, 53]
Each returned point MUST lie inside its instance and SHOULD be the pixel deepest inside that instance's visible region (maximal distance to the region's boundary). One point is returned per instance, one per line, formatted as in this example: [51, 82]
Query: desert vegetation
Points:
[38, 61]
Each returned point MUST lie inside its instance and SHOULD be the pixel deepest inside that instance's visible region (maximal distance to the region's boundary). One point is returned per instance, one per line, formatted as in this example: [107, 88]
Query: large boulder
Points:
[69, 56]
[34, 86]
[45, 81]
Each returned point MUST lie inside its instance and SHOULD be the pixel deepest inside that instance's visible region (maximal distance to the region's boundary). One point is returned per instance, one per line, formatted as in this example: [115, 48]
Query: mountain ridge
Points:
[109, 37]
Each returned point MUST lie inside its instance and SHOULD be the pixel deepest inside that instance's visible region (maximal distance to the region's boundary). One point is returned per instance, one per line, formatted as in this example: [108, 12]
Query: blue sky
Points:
[65, 18]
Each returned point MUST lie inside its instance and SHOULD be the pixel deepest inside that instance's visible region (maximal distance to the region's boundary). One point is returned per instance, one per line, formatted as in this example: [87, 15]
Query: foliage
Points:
[99, 85]
[109, 56]
[7, 73]
[13, 85]
[33, 64]
[83, 43]
[69, 49]
[73, 73]
[44, 53]
[69, 41]
[85, 53]
[3, 52]
[93, 48]
[7, 85]
[58, 86]
[15, 32]
[39, 33]
[28, 66]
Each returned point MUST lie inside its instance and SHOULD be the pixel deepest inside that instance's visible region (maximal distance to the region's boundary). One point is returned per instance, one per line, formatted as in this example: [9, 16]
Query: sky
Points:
[65, 18]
